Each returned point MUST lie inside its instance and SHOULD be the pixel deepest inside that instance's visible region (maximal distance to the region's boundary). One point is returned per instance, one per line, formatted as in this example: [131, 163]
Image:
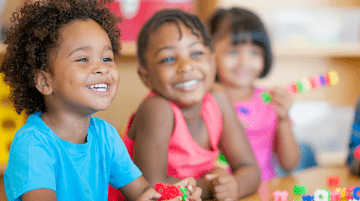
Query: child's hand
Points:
[224, 186]
[190, 184]
[149, 194]
[282, 102]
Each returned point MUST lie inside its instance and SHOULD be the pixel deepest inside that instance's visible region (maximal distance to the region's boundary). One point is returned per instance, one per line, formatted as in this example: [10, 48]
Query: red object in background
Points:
[135, 13]
[333, 181]
[357, 153]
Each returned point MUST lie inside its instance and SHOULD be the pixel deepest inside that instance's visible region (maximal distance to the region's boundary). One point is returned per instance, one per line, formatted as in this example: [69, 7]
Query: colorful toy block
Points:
[170, 191]
[304, 84]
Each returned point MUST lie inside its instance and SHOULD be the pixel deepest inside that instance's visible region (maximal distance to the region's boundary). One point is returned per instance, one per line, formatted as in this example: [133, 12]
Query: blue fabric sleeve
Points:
[355, 134]
[123, 170]
[33, 167]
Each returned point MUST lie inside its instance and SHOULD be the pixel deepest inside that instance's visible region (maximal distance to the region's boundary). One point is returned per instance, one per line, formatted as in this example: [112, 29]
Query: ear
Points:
[43, 82]
[145, 76]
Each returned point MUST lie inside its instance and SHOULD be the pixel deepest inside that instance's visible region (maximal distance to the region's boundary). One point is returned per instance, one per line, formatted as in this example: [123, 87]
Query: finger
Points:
[196, 194]
[150, 194]
[211, 177]
[178, 198]
[188, 183]
[223, 196]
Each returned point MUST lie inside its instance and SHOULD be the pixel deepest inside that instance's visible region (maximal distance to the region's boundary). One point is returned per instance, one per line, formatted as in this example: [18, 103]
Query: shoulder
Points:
[221, 96]
[155, 107]
[153, 113]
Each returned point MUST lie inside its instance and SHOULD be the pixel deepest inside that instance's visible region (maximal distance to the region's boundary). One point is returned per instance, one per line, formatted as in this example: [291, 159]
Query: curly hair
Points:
[169, 15]
[35, 34]
[243, 21]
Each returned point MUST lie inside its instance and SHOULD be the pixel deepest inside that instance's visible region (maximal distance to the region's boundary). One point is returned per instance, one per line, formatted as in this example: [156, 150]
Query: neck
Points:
[67, 126]
[192, 114]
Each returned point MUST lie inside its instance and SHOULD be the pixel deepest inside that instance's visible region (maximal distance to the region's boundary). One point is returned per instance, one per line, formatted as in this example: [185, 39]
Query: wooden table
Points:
[2, 189]
[313, 179]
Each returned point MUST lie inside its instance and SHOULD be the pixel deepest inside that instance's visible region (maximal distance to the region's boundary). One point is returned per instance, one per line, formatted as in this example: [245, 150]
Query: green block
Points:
[266, 97]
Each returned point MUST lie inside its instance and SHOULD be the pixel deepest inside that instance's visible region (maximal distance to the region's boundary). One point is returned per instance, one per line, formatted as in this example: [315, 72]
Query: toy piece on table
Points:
[333, 181]
[280, 195]
[356, 193]
[299, 189]
[349, 192]
[307, 198]
[357, 152]
[170, 191]
[303, 85]
[322, 195]
[335, 195]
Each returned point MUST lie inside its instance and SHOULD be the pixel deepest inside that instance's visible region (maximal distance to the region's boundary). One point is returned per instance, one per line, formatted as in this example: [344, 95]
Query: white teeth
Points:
[187, 84]
[102, 87]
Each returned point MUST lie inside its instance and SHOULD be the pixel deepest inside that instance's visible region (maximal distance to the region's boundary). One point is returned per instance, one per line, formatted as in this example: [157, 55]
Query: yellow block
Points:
[10, 121]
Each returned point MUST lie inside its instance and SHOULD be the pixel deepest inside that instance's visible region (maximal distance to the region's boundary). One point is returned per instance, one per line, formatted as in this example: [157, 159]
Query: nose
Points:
[184, 66]
[244, 60]
[100, 68]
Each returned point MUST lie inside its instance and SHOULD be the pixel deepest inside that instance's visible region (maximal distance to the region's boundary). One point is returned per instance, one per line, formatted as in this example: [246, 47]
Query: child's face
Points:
[85, 76]
[179, 67]
[238, 65]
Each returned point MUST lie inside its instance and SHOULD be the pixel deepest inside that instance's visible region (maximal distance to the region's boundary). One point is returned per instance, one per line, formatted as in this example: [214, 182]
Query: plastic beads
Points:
[280, 195]
[333, 181]
[183, 190]
[357, 152]
[169, 191]
[322, 195]
[266, 97]
[299, 189]
[304, 84]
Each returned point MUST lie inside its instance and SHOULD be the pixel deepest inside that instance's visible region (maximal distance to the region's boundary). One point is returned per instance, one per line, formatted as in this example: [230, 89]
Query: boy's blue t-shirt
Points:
[355, 134]
[40, 159]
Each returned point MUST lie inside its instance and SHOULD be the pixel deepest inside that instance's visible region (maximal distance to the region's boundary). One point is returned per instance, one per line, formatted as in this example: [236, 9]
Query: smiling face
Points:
[179, 66]
[238, 65]
[84, 75]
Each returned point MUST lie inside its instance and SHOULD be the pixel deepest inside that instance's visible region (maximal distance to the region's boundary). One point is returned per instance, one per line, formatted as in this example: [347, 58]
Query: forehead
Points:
[173, 32]
[80, 30]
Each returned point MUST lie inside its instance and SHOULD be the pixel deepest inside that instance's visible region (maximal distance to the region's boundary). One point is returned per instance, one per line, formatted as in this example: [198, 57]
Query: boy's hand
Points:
[224, 186]
[149, 194]
[194, 192]
[282, 102]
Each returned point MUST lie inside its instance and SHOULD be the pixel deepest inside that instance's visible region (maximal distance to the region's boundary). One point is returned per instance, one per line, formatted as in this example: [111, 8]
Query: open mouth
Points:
[102, 87]
[187, 84]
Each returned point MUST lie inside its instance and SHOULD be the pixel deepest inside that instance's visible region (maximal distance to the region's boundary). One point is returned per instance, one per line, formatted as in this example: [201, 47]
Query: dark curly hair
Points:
[243, 21]
[36, 33]
[169, 15]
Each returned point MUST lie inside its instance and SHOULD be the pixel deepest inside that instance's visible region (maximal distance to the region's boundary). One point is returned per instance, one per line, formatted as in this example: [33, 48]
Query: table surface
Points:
[313, 179]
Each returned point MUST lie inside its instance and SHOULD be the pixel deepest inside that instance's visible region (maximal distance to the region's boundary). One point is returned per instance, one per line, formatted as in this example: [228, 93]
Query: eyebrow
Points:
[172, 47]
[86, 48]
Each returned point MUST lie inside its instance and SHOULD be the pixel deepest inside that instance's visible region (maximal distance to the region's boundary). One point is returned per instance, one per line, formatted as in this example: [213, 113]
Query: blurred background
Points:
[309, 37]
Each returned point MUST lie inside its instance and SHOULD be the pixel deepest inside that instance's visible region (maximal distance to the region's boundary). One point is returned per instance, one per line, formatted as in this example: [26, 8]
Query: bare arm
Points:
[39, 194]
[152, 128]
[236, 148]
[285, 145]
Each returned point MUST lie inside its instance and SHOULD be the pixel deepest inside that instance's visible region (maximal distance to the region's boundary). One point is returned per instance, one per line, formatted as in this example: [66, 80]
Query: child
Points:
[352, 162]
[242, 49]
[179, 128]
[60, 67]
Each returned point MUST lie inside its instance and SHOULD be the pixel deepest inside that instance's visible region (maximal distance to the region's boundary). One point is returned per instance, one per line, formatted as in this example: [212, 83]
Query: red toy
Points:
[167, 191]
[357, 153]
[333, 181]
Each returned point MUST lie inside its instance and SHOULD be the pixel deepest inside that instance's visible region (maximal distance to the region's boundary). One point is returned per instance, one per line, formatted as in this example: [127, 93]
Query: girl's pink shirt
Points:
[260, 122]
[185, 157]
